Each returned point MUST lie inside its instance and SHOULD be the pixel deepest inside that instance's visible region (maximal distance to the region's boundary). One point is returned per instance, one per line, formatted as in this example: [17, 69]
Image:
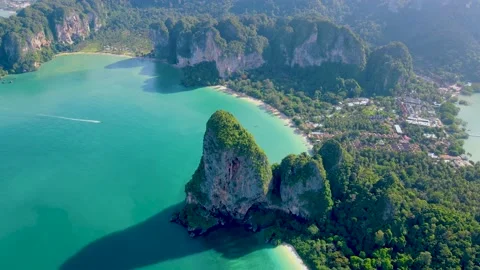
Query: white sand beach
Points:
[287, 120]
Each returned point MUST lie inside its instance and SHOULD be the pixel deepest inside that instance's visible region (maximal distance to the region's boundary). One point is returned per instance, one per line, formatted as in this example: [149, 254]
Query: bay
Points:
[6, 13]
[95, 151]
[470, 114]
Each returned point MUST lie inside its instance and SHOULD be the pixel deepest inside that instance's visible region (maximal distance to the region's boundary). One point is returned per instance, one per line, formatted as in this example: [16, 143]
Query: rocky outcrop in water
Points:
[234, 182]
[233, 174]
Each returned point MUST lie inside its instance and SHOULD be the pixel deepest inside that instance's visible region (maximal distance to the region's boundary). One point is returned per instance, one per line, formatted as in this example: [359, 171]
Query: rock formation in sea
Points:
[234, 183]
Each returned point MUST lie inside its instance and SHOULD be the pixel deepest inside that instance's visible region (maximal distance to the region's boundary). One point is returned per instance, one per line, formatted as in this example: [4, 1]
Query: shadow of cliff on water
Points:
[164, 78]
[156, 240]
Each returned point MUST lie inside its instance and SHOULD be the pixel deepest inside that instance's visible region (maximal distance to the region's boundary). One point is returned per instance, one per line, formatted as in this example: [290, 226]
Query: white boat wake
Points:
[70, 119]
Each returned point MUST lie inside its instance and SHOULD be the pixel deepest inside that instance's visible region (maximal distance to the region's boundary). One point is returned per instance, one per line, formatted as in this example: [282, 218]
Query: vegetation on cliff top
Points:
[38, 23]
[298, 168]
[443, 37]
[338, 164]
[388, 67]
[308, 172]
[389, 210]
[229, 135]
[397, 211]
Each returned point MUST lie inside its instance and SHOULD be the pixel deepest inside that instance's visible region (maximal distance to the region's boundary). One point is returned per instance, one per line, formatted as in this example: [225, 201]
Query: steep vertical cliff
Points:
[234, 45]
[304, 188]
[234, 181]
[318, 42]
[204, 44]
[75, 26]
[389, 68]
[233, 174]
[27, 39]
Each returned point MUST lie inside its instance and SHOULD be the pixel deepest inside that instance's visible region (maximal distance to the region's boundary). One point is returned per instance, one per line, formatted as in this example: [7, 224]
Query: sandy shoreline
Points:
[110, 54]
[262, 105]
[292, 256]
[95, 53]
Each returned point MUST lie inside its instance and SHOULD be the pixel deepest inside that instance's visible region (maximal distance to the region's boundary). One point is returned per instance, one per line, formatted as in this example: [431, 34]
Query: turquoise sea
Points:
[470, 114]
[6, 13]
[95, 151]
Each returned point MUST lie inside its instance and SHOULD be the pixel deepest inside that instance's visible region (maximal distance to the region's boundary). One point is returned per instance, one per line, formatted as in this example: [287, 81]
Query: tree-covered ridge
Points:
[344, 208]
[387, 218]
[311, 47]
[45, 28]
[275, 39]
[442, 35]
[302, 187]
[389, 67]
[311, 51]
[298, 168]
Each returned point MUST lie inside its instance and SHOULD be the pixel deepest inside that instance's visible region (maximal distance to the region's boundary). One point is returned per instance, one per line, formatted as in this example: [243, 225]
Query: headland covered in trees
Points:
[388, 184]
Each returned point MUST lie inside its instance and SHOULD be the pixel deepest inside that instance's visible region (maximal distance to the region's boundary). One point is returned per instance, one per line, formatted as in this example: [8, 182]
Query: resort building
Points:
[398, 129]
[419, 121]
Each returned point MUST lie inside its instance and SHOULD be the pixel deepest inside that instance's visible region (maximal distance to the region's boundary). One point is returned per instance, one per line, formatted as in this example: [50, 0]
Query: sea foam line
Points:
[70, 119]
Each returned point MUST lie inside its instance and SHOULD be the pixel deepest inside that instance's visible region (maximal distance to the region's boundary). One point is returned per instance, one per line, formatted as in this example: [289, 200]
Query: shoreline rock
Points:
[235, 185]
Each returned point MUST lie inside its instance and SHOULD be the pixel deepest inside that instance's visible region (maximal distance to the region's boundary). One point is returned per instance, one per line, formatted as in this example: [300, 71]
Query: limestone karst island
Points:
[234, 183]
[239, 134]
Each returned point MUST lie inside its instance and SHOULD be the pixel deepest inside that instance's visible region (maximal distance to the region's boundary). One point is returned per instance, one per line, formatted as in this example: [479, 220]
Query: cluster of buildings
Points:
[461, 161]
[15, 4]
[413, 109]
[352, 102]
[413, 112]
[452, 90]
[357, 102]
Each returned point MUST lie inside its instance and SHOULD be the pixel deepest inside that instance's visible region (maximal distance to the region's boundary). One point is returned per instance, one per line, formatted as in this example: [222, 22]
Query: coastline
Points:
[291, 255]
[269, 109]
[469, 115]
[288, 251]
[110, 54]
[94, 53]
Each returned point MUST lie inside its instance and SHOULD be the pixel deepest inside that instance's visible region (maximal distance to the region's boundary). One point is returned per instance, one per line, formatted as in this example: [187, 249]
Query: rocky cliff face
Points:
[75, 27]
[207, 47]
[322, 42]
[233, 174]
[329, 43]
[389, 68]
[234, 179]
[12, 46]
[304, 190]
[20, 50]
[38, 41]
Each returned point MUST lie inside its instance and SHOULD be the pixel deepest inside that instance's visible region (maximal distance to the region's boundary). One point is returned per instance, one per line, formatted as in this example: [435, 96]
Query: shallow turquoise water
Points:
[470, 114]
[6, 13]
[94, 154]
